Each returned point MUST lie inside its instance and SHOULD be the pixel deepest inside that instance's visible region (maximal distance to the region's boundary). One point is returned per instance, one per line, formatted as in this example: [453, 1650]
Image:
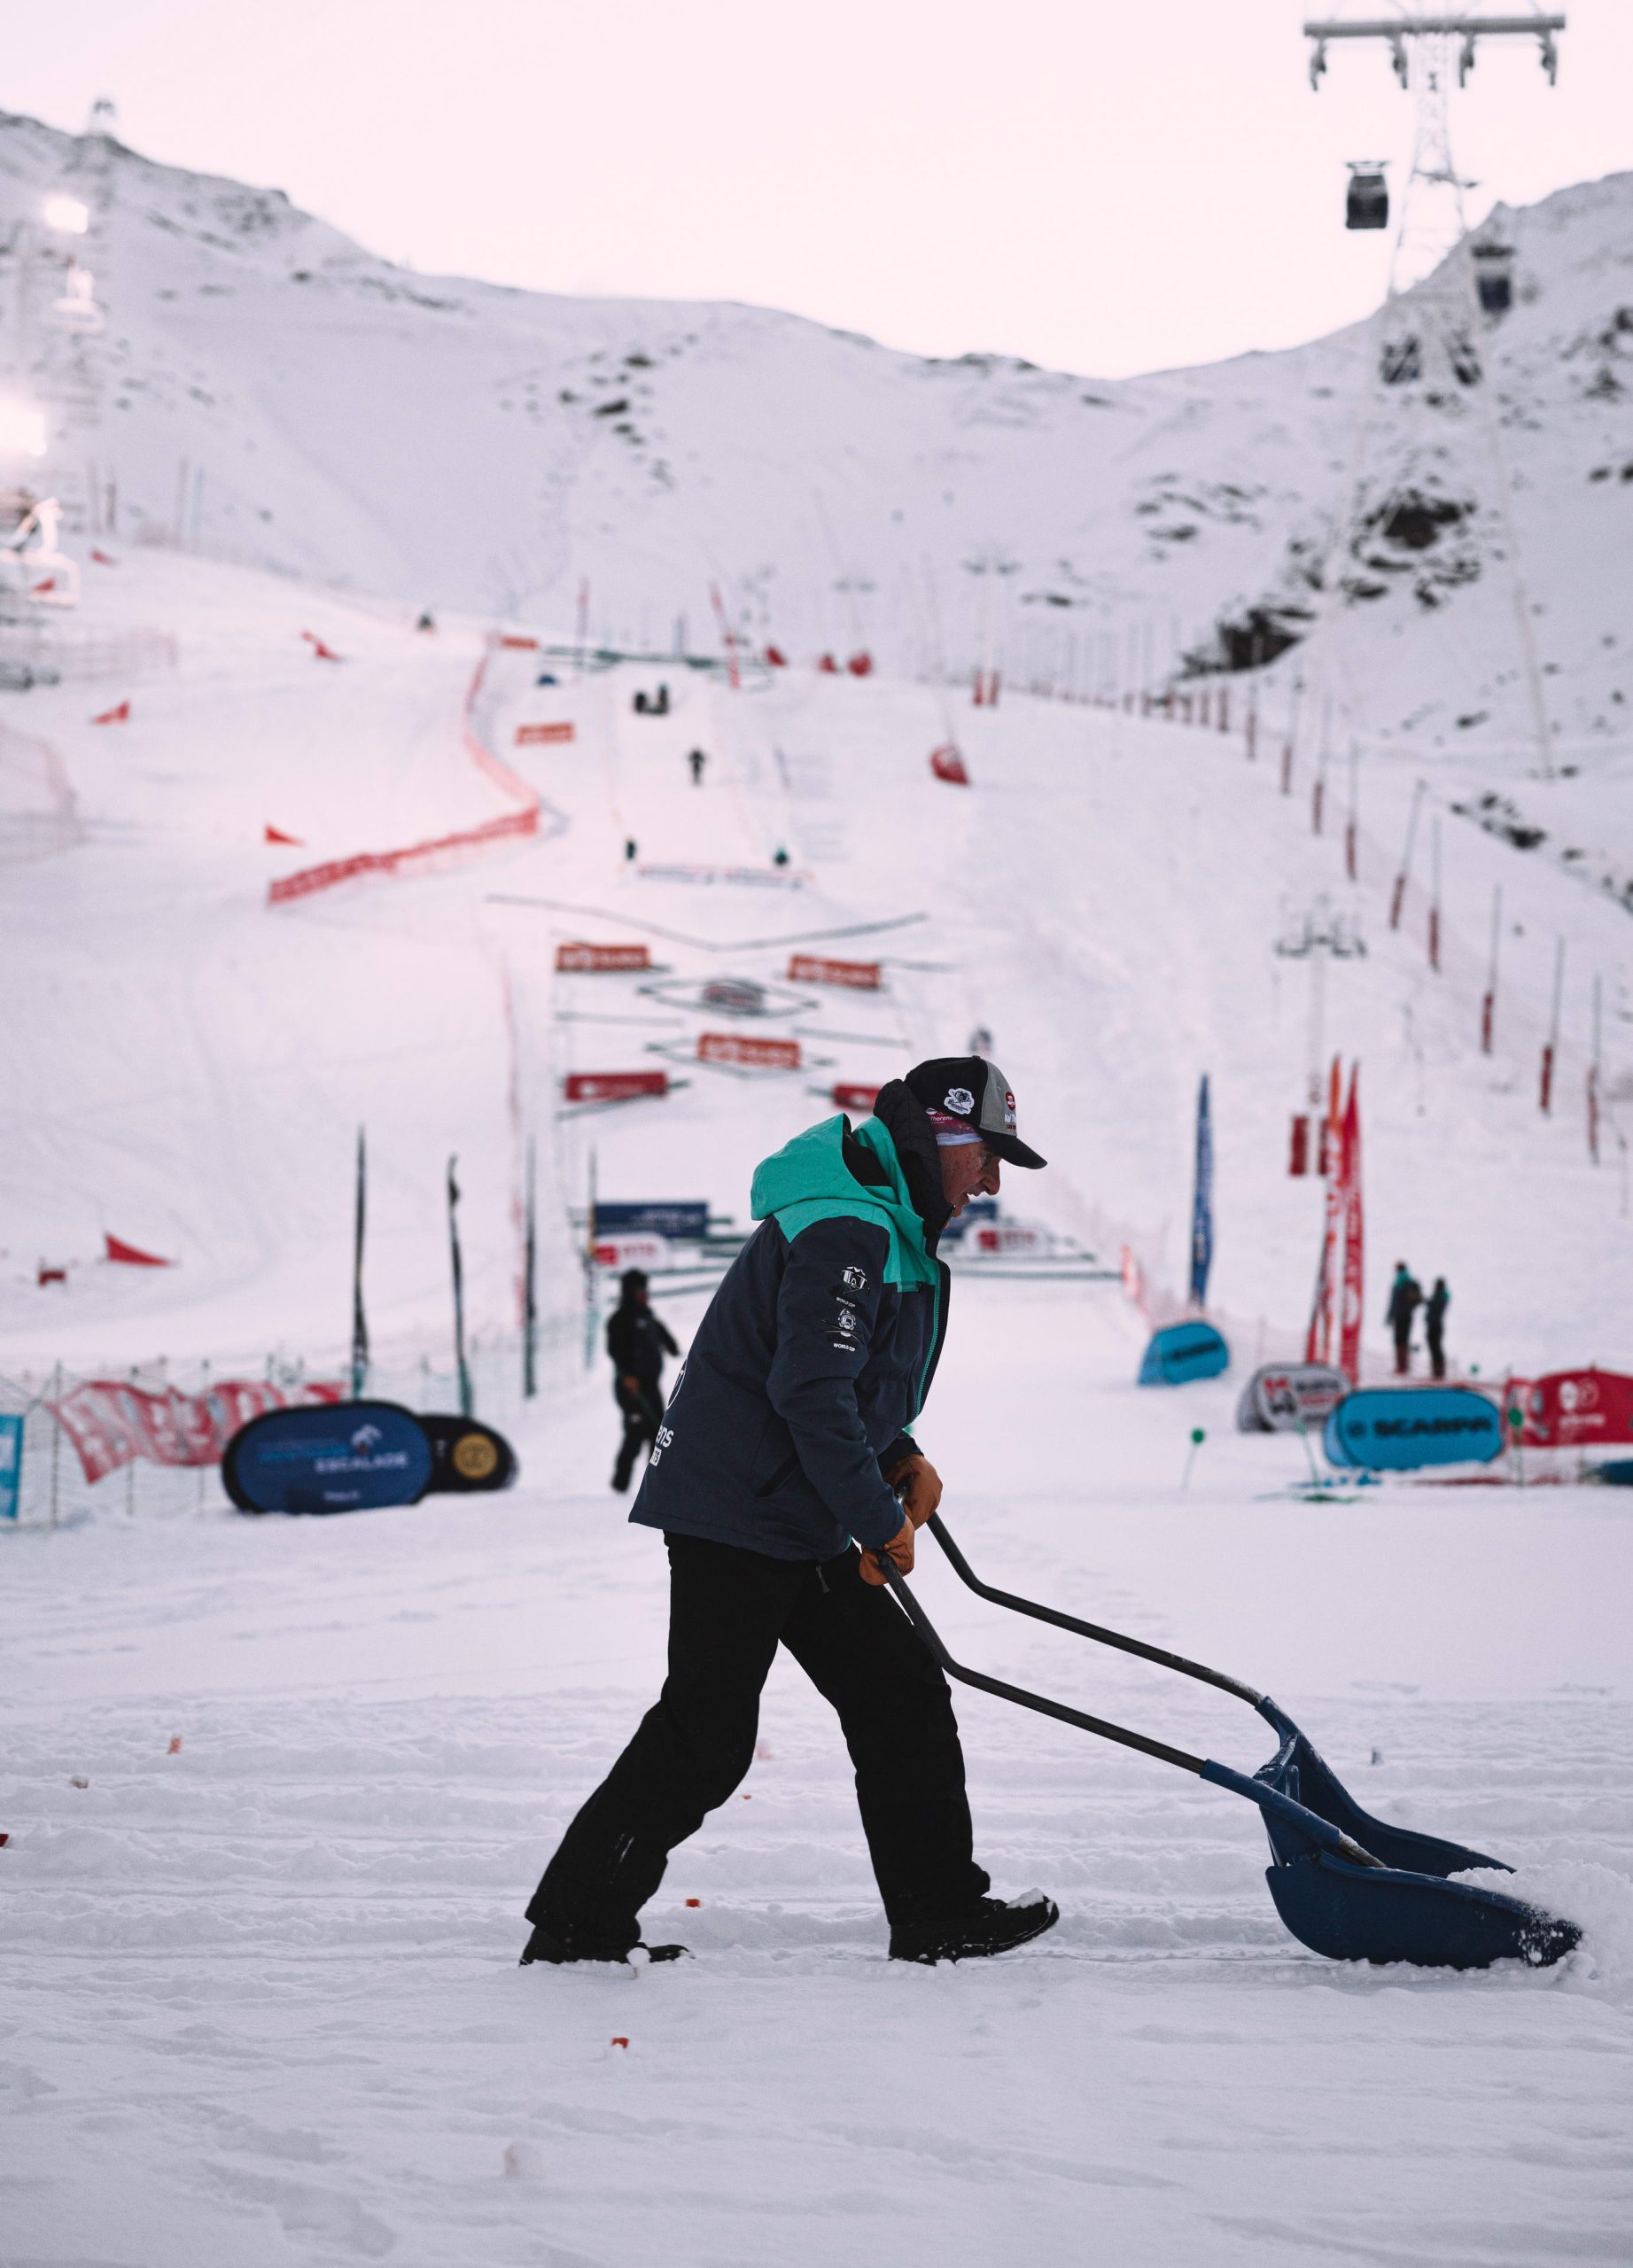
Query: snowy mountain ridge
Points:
[265, 391]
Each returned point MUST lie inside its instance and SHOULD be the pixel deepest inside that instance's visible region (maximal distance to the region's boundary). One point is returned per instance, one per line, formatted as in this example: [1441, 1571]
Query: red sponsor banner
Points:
[1355, 1256]
[816, 968]
[542, 735]
[512, 642]
[1318, 1338]
[1571, 1410]
[847, 1098]
[110, 1422]
[614, 1086]
[753, 1054]
[1007, 1236]
[586, 958]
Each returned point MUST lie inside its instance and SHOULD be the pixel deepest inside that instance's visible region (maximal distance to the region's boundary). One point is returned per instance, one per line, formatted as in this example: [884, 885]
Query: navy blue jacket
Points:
[812, 1361]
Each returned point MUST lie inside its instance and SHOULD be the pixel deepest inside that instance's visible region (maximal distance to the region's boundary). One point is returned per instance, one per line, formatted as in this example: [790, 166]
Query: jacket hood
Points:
[810, 1169]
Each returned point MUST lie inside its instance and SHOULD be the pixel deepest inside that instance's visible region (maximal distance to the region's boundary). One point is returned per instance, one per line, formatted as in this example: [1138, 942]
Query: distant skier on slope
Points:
[636, 1340]
[697, 760]
[1405, 1298]
[1435, 1325]
[783, 1472]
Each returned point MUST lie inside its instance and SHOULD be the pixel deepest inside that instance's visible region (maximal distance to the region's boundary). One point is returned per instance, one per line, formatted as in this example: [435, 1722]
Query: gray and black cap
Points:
[968, 1092]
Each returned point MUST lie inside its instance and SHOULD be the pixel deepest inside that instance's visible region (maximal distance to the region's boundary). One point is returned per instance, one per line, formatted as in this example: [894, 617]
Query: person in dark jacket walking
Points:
[784, 1472]
[696, 760]
[1405, 1298]
[1435, 1325]
[637, 1341]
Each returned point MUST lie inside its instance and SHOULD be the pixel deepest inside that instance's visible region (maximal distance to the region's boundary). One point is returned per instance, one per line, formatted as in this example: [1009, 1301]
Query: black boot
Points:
[985, 1926]
[560, 1951]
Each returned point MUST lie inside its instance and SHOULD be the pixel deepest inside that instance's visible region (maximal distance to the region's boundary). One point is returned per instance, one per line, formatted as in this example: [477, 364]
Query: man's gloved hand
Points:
[918, 1484]
[898, 1551]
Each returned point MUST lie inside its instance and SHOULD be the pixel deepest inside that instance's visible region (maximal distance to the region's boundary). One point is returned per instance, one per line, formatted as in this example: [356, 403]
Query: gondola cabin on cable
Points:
[1367, 202]
[1494, 277]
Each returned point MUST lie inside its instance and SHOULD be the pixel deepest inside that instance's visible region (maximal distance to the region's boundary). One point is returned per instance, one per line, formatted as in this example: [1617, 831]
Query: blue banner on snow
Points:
[334, 1456]
[1394, 1429]
[1183, 1351]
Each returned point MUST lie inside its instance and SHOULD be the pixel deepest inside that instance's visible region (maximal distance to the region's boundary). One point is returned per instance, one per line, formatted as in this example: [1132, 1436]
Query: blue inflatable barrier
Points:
[1183, 1351]
[328, 1457]
[1393, 1429]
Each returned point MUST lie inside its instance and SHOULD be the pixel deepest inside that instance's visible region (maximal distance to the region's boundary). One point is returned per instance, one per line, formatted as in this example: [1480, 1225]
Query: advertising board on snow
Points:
[542, 735]
[10, 1465]
[577, 957]
[818, 969]
[1570, 1410]
[750, 1054]
[686, 1219]
[1282, 1396]
[1395, 1429]
[855, 1098]
[613, 1086]
[349, 1456]
[1183, 1351]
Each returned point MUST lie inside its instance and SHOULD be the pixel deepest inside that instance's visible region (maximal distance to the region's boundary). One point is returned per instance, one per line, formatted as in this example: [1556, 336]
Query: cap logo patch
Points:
[1009, 1110]
[959, 1101]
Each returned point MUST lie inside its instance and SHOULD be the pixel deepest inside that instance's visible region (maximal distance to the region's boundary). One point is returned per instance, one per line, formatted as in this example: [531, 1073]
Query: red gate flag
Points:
[118, 715]
[271, 834]
[130, 1255]
[1355, 1267]
[576, 956]
[513, 643]
[848, 1098]
[319, 652]
[947, 764]
[542, 735]
[816, 968]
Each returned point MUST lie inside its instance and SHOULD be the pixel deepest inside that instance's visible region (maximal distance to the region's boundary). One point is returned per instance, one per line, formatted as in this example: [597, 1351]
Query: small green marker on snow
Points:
[1198, 1437]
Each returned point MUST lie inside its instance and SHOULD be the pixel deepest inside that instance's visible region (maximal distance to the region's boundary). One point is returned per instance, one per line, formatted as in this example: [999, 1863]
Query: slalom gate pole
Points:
[459, 1293]
[529, 1303]
[1435, 893]
[359, 1322]
[1593, 1080]
[1351, 829]
[1488, 1008]
[1551, 1045]
[1397, 898]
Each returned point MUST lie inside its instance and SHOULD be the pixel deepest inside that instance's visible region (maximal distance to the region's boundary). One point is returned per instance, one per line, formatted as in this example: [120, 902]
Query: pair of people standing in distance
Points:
[783, 1475]
[1405, 1298]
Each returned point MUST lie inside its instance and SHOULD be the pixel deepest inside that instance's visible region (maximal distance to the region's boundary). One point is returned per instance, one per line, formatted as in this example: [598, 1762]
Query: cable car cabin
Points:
[1366, 204]
[1401, 363]
[1494, 277]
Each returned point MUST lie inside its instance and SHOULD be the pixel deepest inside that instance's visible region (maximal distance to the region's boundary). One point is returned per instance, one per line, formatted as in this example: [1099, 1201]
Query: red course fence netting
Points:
[309, 880]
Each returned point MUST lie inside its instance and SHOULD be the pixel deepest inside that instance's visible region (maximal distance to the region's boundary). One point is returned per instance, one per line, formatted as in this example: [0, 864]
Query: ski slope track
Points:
[275, 1792]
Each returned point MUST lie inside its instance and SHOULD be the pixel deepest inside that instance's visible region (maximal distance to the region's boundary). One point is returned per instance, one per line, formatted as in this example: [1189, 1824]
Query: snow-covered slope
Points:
[270, 393]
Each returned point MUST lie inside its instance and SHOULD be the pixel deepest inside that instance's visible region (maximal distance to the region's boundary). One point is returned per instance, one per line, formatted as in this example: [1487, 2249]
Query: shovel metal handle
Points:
[967, 1574]
[1319, 1830]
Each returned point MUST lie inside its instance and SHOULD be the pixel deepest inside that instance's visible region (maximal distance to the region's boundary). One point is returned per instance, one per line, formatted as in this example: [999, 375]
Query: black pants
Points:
[728, 1610]
[1403, 1351]
[643, 1413]
[1437, 1351]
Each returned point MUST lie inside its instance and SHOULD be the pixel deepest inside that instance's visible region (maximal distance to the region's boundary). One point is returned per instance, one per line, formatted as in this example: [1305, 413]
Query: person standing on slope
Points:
[1435, 1325]
[783, 1472]
[636, 1340]
[1405, 1298]
[696, 760]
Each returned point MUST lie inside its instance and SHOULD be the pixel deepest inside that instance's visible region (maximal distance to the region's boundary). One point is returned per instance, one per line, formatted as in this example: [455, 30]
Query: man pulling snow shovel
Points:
[783, 1472]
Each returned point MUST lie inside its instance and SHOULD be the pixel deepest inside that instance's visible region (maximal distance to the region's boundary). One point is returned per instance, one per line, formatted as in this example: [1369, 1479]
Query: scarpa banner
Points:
[1183, 1351]
[1284, 1397]
[1394, 1429]
[351, 1456]
[1572, 1410]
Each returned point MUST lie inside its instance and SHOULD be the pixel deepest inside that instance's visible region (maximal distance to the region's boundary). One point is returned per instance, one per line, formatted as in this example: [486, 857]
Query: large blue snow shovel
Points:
[1346, 1884]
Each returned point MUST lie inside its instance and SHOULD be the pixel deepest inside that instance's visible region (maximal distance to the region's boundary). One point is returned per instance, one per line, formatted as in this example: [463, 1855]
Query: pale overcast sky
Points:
[1108, 186]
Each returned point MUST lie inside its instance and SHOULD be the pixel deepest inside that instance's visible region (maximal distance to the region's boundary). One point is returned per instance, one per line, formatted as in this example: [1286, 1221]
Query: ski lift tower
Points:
[1430, 343]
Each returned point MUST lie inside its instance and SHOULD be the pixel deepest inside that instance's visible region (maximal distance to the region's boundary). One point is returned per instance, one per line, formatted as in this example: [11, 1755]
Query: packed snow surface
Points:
[261, 2000]
[262, 2004]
